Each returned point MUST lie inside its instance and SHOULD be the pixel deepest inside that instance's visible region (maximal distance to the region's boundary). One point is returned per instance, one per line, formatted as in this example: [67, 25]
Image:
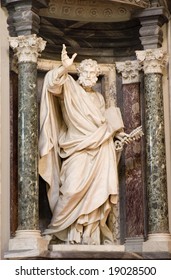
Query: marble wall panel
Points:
[134, 185]
[13, 152]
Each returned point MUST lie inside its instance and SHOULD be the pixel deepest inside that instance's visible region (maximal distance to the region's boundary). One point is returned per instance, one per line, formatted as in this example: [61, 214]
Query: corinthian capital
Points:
[129, 70]
[27, 48]
[153, 60]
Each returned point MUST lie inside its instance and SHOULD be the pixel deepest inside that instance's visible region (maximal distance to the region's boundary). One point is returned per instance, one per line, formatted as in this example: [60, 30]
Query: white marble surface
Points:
[157, 243]
[81, 248]
[26, 244]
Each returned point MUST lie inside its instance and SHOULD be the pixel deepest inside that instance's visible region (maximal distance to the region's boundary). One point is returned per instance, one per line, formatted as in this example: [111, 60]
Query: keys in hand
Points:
[123, 138]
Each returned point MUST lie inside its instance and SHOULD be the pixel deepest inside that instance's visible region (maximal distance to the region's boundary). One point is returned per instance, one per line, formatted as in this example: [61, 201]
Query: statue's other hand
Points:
[66, 60]
[123, 137]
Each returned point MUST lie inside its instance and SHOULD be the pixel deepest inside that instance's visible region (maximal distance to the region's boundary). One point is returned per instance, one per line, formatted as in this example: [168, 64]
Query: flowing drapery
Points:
[75, 127]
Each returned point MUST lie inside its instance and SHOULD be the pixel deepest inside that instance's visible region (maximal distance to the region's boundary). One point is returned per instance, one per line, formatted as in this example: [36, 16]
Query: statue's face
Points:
[88, 75]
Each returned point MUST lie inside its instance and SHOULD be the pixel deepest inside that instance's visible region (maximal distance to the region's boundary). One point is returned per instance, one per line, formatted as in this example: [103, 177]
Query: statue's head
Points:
[88, 72]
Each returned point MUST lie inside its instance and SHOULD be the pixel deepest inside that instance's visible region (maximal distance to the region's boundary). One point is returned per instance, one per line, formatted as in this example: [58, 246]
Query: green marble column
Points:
[27, 49]
[27, 147]
[153, 62]
[155, 152]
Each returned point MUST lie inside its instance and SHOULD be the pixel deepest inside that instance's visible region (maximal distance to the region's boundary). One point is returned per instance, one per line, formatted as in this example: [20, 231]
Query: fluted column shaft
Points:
[27, 49]
[153, 62]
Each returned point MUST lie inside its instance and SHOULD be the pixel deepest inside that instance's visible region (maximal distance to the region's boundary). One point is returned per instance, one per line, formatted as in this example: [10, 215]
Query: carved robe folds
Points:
[76, 128]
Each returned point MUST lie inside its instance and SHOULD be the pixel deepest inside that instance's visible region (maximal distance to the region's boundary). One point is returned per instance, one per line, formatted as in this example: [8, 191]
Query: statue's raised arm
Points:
[53, 82]
[65, 59]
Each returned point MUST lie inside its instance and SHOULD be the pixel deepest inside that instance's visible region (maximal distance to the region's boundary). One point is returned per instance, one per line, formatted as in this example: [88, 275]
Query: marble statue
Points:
[78, 158]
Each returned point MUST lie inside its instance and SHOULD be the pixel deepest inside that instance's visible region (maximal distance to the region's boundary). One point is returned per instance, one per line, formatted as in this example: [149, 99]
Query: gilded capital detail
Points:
[27, 48]
[129, 70]
[153, 60]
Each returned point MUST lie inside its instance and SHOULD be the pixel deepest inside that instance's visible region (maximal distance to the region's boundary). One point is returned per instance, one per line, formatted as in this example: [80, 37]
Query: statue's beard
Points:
[87, 82]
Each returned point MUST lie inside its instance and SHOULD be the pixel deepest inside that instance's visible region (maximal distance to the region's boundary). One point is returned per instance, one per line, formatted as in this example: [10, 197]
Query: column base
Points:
[134, 244]
[158, 242]
[26, 243]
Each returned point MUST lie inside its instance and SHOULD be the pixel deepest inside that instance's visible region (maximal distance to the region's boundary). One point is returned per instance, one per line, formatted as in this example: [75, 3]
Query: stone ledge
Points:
[86, 248]
[91, 255]
[21, 254]
[84, 255]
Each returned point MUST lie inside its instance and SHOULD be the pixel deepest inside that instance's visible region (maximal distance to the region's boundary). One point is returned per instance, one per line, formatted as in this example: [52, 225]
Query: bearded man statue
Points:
[78, 159]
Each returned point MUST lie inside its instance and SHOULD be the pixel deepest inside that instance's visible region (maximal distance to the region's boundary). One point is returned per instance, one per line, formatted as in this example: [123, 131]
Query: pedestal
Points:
[26, 243]
[158, 242]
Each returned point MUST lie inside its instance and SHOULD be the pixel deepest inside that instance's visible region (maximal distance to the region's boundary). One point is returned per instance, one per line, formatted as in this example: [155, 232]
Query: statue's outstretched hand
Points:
[66, 60]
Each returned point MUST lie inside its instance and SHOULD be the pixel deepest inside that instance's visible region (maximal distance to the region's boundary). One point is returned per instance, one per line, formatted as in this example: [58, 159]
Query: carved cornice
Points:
[91, 10]
[153, 61]
[43, 3]
[87, 10]
[37, 3]
[27, 48]
[139, 3]
[23, 16]
[152, 19]
[129, 70]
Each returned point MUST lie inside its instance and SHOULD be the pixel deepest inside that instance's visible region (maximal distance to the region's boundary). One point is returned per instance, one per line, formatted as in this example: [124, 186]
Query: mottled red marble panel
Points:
[134, 187]
[13, 152]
